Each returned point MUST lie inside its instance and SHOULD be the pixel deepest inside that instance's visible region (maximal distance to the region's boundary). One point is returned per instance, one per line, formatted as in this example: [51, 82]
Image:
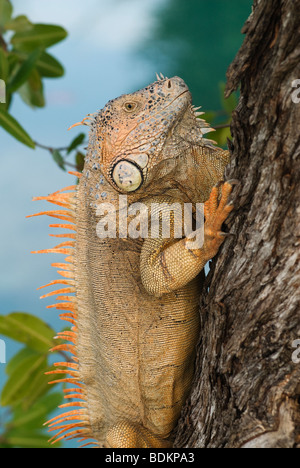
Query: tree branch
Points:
[52, 150]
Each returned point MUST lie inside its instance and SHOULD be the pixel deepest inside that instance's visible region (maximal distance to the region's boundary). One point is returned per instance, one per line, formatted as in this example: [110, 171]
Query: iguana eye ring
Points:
[130, 106]
[127, 176]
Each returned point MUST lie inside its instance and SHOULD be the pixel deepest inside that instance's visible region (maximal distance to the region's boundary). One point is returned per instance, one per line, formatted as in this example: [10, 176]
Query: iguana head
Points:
[139, 138]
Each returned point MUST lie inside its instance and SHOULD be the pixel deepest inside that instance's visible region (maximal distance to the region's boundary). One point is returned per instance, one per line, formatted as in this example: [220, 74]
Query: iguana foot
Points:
[132, 435]
[216, 211]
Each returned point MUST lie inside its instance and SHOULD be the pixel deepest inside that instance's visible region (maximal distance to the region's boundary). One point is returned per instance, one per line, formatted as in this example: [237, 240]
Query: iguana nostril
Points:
[169, 84]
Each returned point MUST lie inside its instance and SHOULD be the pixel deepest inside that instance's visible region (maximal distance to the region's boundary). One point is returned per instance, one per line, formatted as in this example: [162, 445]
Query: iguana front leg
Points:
[167, 265]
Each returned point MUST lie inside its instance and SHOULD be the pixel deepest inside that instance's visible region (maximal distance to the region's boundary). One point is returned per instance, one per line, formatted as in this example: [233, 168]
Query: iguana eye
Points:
[127, 176]
[130, 106]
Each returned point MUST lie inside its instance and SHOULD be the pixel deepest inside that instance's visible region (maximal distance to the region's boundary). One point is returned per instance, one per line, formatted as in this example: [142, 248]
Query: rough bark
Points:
[246, 389]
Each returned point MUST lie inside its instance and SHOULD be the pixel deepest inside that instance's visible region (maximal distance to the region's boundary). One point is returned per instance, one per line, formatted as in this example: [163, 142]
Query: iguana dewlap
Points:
[133, 302]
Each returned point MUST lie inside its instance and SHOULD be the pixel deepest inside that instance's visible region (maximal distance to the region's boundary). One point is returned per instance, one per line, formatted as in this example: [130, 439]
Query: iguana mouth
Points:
[177, 97]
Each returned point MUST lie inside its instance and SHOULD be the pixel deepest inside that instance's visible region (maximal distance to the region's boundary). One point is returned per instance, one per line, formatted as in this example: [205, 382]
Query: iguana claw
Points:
[216, 211]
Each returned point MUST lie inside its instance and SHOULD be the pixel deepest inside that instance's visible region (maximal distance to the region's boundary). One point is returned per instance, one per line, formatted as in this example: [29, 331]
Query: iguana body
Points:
[135, 309]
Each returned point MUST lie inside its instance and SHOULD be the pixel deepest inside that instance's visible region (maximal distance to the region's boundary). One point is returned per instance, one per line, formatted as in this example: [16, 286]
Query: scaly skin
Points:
[135, 310]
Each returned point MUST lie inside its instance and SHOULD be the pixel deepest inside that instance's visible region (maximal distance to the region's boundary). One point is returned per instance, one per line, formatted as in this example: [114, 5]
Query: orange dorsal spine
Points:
[77, 419]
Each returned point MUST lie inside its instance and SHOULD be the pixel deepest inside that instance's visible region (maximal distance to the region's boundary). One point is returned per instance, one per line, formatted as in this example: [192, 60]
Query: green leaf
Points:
[10, 124]
[59, 159]
[79, 161]
[41, 35]
[27, 439]
[49, 67]
[24, 71]
[6, 10]
[221, 136]
[39, 387]
[32, 92]
[17, 386]
[27, 329]
[13, 62]
[76, 142]
[46, 65]
[4, 65]
[17, 358]
[51, 401]
[36, 416]
[19, 24]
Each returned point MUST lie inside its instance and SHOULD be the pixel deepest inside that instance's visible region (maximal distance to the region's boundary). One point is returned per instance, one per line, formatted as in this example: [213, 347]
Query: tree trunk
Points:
[246, 388]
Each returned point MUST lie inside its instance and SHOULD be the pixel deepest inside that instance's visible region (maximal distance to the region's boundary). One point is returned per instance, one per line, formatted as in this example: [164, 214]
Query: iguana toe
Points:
[216, 210]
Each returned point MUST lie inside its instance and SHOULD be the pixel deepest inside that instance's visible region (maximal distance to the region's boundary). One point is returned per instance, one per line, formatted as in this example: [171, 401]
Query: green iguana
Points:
[133, 302]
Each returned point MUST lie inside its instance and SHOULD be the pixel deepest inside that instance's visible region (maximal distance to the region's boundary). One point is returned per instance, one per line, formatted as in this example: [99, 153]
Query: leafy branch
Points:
[25, 62]
[61, 154]
[27, 400]
[27, 395]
